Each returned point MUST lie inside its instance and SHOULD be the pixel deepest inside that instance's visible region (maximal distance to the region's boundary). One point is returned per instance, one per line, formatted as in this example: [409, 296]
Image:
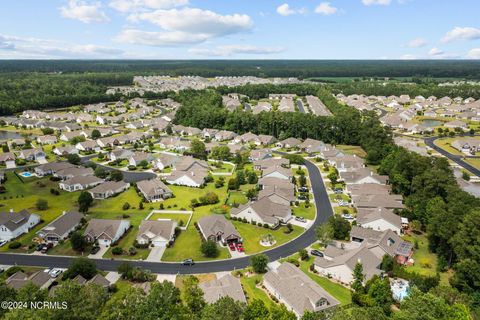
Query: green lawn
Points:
[352, 150]
[236, 197]
[445, 144]
[21, 196]
[341, 196]
[474, 162]
[425, 261]
[125, 243]
[307, 213]
[252, 235]
[172, 216]
[65, 249]
[225, 167]
[252, 292]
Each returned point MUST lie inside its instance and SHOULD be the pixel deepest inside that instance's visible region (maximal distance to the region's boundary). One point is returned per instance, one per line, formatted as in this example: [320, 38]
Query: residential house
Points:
[154, 190]
[289, 143]
[60, 228]
[70, 172]
[19, 279]
[14, 224]
[106, 231]
[36, 154]
[362, 175]
[8, 159]
[79, 183]
[47, 139]
[225, 286]
[389, 201]
[217, 228]
[456, 124]
[189, 172]
[65, 150]
[467, 145]
[158, 233]
[297, 291]
[379, 219]
[108, 189]
[88, 146]
[260, 154]
[263, 211]
[52, 168]
[140, 157]
[223, 135]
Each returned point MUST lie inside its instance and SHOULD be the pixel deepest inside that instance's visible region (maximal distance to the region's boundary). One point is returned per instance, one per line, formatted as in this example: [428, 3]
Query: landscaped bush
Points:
[294, 262]
[126, 206]
[140, 246]
[14, 245]
[244, 220]
[209, 249]
[117, 251]
[265, 225]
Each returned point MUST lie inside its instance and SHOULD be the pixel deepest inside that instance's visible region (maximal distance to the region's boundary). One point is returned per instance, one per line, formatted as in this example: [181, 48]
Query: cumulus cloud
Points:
[84, 11]
[416, 43]
[48, 48]
[326, 9]
[183, 26]
[408, 57]
[230, 50]
[136, 5]
[474, 53]
[286, 10]
[437, 53]
[459, 33]
[376, 2]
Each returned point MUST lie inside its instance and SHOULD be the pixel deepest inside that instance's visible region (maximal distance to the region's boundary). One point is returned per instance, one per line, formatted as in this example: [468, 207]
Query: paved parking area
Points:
[112, 277]
[156, 254]
[100, 253]
[166, 277]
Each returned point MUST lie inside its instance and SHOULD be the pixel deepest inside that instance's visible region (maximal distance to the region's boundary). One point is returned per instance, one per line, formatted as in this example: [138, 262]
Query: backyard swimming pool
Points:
[26, 174]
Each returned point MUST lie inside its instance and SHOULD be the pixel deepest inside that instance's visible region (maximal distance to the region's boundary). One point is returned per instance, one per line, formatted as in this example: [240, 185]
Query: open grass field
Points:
[302, 211]
[352, 150]
[172, 216]
[236, 197]
[425, 261]
[474, 162]
[125, 243]
[252, 235]
[225, 167]
[252, 292]
[445, 144]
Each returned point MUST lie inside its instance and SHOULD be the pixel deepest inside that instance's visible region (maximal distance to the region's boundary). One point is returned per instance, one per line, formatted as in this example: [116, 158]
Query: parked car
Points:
[46, 247]
[188, 262]
[39, 247]
[302, 197]
[347, 216]
[239, 247]
[316, 253]
[301, 219]
[94, 250]
[337, 191]
[231, 245]
[55, 272]
[303, 189]
[2, 243]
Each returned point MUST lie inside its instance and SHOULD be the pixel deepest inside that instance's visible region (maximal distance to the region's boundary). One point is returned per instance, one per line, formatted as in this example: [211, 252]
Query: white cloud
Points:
[135, 5]
[229, 50]
[458, 33]
[437, 53]
[184, 26]
[286, 10]
[474, 53]
[408, 57]
[48, 48]
[84, 12]
[326, 9]
[376, 2]
[416, 43]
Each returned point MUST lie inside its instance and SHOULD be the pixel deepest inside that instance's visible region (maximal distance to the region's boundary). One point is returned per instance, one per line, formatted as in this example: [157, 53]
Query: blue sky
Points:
[240, 29]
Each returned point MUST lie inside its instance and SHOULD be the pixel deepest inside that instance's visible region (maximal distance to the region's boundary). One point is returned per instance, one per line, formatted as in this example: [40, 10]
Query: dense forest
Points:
[262, 68]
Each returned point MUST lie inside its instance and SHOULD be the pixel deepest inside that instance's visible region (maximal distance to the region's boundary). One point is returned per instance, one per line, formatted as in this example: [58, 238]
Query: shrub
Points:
[126, 206]
[303, 254]
[41, 204]
[117, 251]
[259, 263]
[12, 270]
[132, 251]
[209, 249]
[265, 225]
[14, 245]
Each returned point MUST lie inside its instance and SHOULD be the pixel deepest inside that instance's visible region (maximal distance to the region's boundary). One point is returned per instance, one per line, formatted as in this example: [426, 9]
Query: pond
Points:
[7, 135]
[432, 123]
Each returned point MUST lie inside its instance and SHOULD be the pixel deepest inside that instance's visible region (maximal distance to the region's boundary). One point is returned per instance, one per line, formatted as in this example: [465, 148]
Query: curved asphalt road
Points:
[324, 210]
[455, 158]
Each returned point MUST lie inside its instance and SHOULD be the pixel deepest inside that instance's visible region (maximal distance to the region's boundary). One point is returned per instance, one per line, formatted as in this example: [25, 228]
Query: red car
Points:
[239, 247]
[231, 245]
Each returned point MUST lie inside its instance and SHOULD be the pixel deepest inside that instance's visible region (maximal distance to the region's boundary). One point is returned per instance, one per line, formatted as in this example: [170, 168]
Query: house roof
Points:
[215, 224]
[113, 186]
[150, 229]
[390, 201]
[63, 224]
[14, 220]
[366, 215]
[226, 286]
[297, 289]
[82, 180]
[55, 166]
[96, 227]
[266, 209]
[153, 187]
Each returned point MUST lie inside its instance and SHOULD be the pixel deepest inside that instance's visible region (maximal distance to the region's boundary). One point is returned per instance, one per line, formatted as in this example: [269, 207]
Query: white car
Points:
[2, 242]
[55, 272]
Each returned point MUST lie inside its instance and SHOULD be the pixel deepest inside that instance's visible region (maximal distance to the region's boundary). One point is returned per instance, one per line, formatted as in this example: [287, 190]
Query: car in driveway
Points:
[301, 219]
[2, 243]
[46, 247]
[95, 250]
[231, 245]
[316, 253]
[303, 189]
[188, 262]
[338, 191]
[239, 247]
[55, 272]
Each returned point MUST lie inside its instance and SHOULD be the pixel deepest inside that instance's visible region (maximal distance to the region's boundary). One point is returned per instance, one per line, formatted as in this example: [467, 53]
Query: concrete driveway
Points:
[100, 253]
[156, 254]
[112, 277]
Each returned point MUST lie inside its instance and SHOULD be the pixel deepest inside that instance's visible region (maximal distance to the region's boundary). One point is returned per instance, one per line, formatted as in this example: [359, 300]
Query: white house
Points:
[106, 231]
[14, 224]
[158, 233]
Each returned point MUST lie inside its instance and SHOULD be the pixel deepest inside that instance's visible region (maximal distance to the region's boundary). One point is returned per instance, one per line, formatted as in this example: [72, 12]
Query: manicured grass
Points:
[21, 196]
[236, 197]
[252, 292]
[302, 211]
[353, 150]
[225, 167]
[172, 216]
[340, 196]
[125, 243]
[252, 235]
[445, 144]
[425, 261]
[340, 210]
[474, 162]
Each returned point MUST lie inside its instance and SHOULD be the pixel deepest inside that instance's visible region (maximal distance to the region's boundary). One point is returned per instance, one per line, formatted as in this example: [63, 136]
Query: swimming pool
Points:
[26, 174]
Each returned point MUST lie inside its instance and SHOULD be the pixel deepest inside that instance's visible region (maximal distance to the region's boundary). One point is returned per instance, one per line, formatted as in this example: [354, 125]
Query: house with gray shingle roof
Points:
[60, 228]
[296, 290]
[263, 211]
[108, 189]
[14, 224]
[154, 190]
[79, 183]
[106, 231]
[158, 233]
[218, 229]
[226, 286]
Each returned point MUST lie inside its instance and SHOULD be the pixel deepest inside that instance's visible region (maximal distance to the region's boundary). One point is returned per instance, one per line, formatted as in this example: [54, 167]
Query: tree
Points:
[73, 158]
[198, 149]
[280, 312]
[224, 308]
[85, 200]
[333, 176]
[465, 176]
[233, 184]
[126, 206]
[125, 269]
[96, 134]
[358, 278]
[252, 177]
[303, 253]
[77, 240]
[209, 198]
[341, 227]
[221, 153]
[251, 193]
[41, 204]
[256, 310]
[241, 177]
[378, 290]
[100, 172]
[302, 180]
[192, 295]
[259, 263]
[324, 233]
[116, 175]
[387, 263]
[143, 164]
[80, 266]
[209, 249]
[47, 131]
